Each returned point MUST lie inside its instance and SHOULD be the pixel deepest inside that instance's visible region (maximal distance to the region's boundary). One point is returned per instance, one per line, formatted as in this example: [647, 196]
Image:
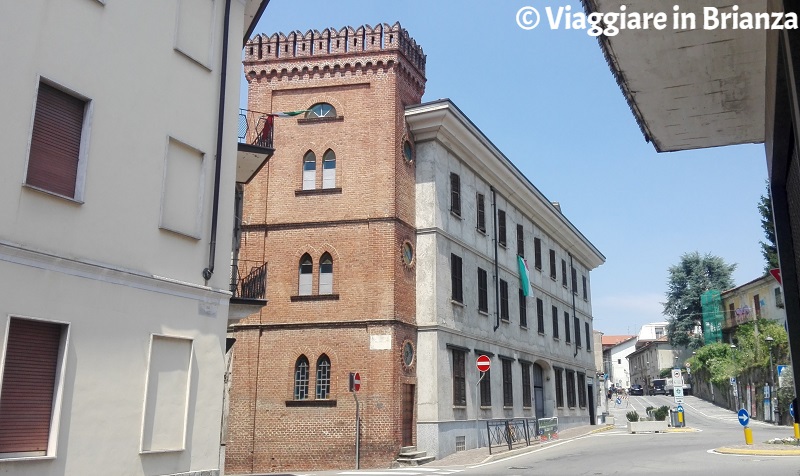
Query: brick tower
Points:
[331, 214]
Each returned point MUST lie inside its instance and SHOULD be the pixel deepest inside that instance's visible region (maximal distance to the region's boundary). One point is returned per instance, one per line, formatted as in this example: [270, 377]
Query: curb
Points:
[682, 430]
[527, 449]
[754, 452]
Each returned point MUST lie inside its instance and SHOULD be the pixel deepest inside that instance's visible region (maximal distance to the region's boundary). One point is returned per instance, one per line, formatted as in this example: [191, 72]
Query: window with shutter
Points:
[329, 169]
[55, 154]
[30, 376]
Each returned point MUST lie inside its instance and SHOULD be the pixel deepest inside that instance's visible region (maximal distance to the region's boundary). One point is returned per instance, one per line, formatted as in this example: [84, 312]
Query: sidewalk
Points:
[481, 455]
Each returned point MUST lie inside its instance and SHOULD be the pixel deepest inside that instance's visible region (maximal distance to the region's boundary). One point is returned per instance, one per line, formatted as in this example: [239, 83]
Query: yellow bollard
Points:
[680, 418]
[748, 435]
[796, 431]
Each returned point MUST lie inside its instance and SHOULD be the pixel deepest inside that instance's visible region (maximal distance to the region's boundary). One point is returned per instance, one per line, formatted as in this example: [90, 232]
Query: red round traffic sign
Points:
[483, 363]
[356, 382]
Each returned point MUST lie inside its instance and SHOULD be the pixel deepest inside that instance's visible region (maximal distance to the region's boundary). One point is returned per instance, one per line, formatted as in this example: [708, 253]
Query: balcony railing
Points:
[249, 280]
[256, 128]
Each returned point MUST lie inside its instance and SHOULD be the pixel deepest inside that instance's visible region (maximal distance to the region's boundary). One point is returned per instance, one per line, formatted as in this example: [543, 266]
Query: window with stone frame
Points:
[301, 378]
[459, 378]
[508, 383]
[559, 376]
[323, 377]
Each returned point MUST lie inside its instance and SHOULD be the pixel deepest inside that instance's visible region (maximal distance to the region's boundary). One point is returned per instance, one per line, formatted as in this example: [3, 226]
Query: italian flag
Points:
[524, 277]
[289, 113]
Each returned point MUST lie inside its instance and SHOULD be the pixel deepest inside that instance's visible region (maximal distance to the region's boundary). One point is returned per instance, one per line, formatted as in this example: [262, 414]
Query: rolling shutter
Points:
[26, 397]
[55, 141]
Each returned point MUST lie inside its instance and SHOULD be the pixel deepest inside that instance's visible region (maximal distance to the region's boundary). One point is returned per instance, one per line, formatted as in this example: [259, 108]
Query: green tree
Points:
[690, 278]
[768, 249]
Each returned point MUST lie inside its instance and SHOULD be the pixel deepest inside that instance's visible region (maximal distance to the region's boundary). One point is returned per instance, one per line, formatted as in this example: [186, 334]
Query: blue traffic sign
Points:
[619, 401]
[791, 409]
[680, 408]
[744, 417]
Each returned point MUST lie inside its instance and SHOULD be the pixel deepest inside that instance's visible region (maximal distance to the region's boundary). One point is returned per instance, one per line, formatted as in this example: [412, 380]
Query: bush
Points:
[647, 410]
[661, 413]
[632, 416]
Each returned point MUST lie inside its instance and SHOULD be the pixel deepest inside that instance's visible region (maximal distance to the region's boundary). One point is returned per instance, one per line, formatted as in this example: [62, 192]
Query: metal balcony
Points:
[249, 288]
[255, 146]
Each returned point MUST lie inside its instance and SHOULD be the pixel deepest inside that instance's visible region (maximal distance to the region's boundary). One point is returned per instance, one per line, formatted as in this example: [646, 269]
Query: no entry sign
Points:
[484, 363]
[355, 381]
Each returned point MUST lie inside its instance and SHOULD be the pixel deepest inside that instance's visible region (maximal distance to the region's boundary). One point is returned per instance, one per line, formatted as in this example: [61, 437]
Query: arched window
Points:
[306, 274]
[301, 378]
[309, 171]
[321, 109]
[326, 274]
[329, 169]
[323, 377]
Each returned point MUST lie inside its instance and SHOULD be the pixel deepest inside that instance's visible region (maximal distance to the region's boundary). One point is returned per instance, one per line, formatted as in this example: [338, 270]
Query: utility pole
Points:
[770, 340]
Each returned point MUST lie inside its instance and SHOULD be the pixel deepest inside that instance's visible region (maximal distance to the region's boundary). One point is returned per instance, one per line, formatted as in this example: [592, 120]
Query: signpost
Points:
[484, 363]
[744, 419]
[354, 382]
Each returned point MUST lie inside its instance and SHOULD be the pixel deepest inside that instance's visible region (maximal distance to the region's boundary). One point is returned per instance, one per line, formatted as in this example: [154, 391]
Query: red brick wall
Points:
[362, 226]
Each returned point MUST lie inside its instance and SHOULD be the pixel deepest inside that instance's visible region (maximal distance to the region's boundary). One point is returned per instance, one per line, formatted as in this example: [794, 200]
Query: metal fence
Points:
[511, 432]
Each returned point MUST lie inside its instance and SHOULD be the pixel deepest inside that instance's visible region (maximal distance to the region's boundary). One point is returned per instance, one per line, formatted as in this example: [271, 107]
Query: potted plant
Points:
[635, 425]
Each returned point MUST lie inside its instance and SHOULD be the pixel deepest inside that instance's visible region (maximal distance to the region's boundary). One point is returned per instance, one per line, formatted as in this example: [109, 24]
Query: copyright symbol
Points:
[525, 18]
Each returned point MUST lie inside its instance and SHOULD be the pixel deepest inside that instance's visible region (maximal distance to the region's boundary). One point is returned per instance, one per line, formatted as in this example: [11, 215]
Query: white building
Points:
[475, 213]
[653, 331]
[120, 161]
[616, 350]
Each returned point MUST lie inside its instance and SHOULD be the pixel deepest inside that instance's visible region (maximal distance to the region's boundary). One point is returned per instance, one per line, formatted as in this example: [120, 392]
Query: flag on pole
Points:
[524, 277]
[289, 113]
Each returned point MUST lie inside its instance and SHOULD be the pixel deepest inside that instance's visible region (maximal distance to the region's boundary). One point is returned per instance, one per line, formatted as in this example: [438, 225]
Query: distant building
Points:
[760, 298]
[653, 331]
[653, 356]
[615, 363]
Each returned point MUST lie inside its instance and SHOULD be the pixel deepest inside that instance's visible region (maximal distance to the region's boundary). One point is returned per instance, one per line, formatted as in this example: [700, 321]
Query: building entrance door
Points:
[408, 415]
[538, 389]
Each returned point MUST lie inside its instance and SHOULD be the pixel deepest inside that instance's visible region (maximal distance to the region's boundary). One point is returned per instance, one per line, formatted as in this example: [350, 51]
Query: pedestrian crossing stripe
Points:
[404, 472]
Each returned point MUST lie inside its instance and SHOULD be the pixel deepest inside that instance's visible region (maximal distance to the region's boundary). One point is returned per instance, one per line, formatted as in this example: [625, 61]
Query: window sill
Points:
[455, 214]
[523, 327]
[503, 245]
[556, 339]
[505, 321]
[542, 333]
[53, 194]
[553, 278]
[484, 313]
[538, 268]
[318, 191]
[506, 407]
[459, 407]
[315, 297]
[315, 120]
[457, 303]
[486, 407]
[24, 457]
[310, 403]
[482, 232]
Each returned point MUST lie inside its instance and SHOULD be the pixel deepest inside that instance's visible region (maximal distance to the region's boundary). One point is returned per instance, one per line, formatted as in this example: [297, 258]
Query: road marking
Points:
[404, 472]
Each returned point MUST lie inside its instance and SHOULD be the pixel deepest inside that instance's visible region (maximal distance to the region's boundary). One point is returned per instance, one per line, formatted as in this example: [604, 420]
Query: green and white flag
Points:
[524, 277]
[289, 113]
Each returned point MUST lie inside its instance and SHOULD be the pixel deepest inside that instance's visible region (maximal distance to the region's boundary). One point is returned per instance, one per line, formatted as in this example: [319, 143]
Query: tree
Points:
[768, 249]
[693, 276]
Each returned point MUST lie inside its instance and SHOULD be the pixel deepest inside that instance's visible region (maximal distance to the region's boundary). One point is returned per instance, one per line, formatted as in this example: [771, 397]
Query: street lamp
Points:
[770, 341]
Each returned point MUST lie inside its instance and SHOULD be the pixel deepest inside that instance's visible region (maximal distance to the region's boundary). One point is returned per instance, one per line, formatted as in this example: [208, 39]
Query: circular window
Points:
[408, 354]
[408, 253]
[408, 151]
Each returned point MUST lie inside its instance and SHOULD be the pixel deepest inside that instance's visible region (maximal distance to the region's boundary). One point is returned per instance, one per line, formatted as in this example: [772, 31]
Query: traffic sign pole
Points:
[355, 386]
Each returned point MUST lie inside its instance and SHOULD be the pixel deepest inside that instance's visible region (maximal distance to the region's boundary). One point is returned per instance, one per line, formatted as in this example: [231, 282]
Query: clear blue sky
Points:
[547, 99]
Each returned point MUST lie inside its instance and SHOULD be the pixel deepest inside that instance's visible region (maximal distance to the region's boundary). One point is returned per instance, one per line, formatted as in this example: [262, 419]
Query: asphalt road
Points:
[616, 452]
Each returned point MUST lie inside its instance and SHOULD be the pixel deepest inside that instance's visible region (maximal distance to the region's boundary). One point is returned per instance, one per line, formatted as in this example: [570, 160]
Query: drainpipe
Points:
[209, 271]
[496, 267]
[574, 315]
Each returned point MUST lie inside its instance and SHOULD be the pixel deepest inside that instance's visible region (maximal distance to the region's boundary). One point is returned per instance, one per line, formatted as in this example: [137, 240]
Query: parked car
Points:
[657, 387]
[636, 390]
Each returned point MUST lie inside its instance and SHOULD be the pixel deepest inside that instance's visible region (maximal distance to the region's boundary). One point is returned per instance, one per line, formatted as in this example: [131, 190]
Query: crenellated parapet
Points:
[332, 43]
